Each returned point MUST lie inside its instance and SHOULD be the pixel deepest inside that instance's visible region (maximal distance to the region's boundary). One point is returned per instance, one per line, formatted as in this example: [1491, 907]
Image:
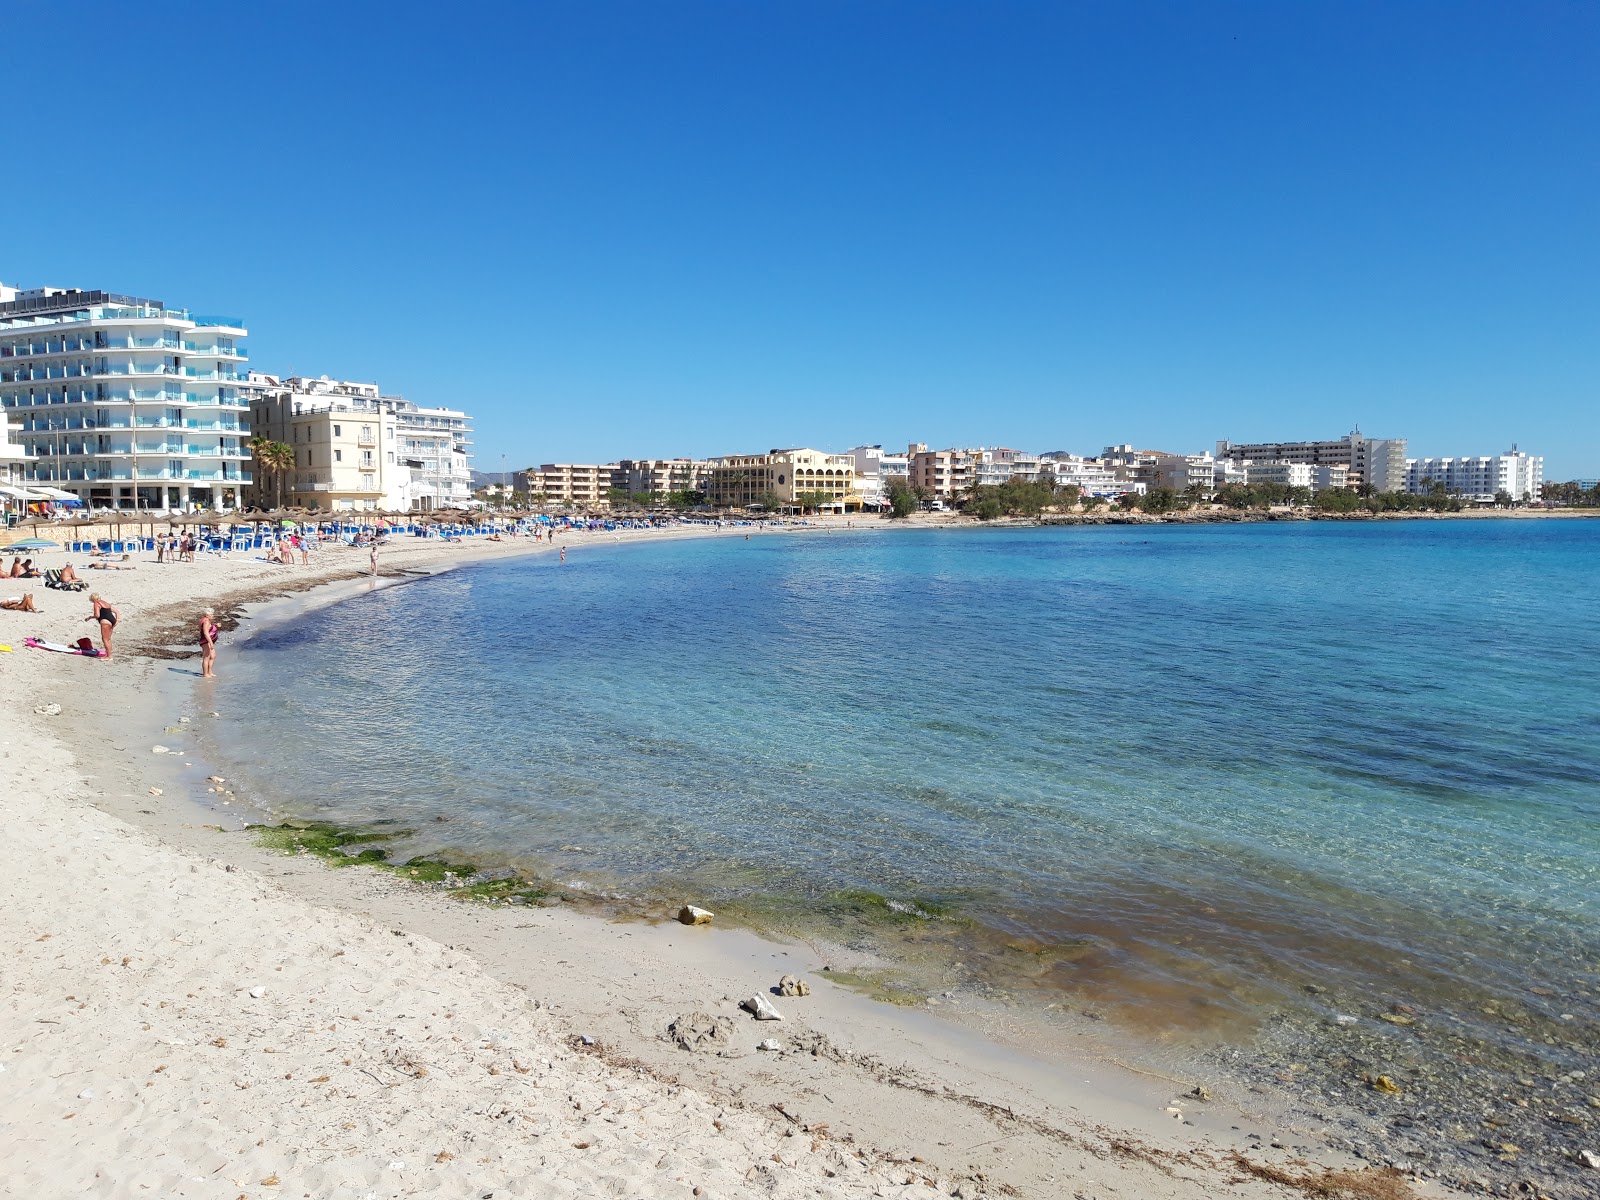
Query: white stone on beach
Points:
[1590, 1159]
[155, 791]
[769, 1044]
[257, 992]
[86, 1094]
[1343, 1020]
[159, 750]
[47, 710]
[690, 915]
[761, 1009]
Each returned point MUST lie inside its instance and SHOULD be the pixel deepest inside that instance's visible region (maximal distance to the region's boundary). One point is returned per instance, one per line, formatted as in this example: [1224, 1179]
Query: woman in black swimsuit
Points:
[106, 615]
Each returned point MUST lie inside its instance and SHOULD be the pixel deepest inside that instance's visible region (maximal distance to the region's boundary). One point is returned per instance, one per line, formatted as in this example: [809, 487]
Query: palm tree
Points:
[275, 459]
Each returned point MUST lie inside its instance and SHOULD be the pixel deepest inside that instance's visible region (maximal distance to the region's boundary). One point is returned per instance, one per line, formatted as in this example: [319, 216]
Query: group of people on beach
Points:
[172, 548]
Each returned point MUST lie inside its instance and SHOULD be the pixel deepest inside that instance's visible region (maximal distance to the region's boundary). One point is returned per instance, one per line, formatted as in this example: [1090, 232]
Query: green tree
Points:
[273, 459]
[903, 499]
[811, 501]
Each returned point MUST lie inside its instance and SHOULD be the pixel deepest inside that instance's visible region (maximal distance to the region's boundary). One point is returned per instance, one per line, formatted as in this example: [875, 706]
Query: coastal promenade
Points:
[186, 1014]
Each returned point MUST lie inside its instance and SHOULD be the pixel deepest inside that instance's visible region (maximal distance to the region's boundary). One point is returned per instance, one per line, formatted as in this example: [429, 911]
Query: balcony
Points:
[215, 351]
[225, 376]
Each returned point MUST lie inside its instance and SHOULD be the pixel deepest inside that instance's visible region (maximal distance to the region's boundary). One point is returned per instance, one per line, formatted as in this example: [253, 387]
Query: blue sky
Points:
[638, 229]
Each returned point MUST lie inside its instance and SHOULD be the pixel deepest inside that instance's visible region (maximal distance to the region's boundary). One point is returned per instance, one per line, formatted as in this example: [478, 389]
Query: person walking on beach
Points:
[208, 644]
[372, 558]
[106, 615]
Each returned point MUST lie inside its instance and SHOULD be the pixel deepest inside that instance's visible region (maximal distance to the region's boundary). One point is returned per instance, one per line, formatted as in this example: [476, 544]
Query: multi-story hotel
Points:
[1378, 462]
[583, 484]
[124, 402]
[740, 480]
[1315, 476]
[357, 448]
[659, 477]
[1480, 478]
[344, 455]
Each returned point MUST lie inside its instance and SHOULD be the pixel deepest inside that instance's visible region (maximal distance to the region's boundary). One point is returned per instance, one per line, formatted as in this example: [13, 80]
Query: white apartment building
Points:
[124, 402]
[1380, 462]
[345, 446]
[1315, 476]
[1161, 468]
[875, 469]
[1481, 478]
[1090, 477]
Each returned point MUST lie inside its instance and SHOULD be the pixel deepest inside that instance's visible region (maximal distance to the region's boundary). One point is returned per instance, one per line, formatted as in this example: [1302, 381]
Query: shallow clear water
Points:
[1178, 770]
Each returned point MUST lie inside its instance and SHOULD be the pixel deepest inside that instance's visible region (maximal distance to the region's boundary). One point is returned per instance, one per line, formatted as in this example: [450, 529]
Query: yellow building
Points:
[740, 480]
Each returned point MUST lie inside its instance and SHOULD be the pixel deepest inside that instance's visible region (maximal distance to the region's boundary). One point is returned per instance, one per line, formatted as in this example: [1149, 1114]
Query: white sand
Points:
[186, 1015]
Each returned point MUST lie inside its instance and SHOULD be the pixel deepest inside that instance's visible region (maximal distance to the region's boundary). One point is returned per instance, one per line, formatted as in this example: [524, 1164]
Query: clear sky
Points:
[639, 229]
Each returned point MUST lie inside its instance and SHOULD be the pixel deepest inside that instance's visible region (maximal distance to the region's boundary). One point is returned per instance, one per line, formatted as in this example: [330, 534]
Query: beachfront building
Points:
[659, 478]
[1192, 474]
[1480, 478]
[1088, 475]
[580, 485]
[345, 444]
[742, 480]
[944, 475]
[13, 496]
[434, 445]
[875, 471]
[125, 402]
[1376, 462]
[1315, 476]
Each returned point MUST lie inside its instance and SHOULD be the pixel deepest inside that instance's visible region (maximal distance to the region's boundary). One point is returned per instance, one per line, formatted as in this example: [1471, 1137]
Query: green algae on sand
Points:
[343, 846]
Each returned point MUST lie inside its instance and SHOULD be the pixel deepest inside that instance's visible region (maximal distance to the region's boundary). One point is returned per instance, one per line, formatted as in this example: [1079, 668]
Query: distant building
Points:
[1480, 478]
[660, 477]
[585, 485]
[1380, 462]
[125, 402]
[740, 480]
[1089, 476]
[941, 474]
[1314, 476]
[1161, 469]
[875, 470]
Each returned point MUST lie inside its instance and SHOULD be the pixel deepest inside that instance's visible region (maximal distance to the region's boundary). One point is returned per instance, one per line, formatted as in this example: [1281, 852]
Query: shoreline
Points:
[964, 1085]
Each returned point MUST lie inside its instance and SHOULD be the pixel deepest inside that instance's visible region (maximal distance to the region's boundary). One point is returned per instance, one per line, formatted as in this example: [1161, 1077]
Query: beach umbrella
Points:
[35, 543]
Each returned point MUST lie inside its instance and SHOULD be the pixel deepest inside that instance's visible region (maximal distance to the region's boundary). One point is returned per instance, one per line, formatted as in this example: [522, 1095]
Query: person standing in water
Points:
[372, 557]
[208, 644]
[563, 554]
[106, 615]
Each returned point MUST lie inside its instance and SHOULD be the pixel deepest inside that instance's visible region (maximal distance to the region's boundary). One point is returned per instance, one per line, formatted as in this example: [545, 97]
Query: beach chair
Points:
[52, 579]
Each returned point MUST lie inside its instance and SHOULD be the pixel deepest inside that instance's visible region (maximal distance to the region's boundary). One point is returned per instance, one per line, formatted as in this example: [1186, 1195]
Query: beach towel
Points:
[82, 647]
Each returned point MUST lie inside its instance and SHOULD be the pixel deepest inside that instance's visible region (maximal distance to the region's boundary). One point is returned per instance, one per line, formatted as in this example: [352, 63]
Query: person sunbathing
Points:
[16, 567]
[20, 604]
[68, 575]
[29, 571]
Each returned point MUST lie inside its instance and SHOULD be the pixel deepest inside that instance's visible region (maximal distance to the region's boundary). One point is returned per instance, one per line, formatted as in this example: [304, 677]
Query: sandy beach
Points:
[189, 1014]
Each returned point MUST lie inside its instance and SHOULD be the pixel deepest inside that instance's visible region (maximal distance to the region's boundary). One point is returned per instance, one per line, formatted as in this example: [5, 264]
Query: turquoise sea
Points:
[1185, 776]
